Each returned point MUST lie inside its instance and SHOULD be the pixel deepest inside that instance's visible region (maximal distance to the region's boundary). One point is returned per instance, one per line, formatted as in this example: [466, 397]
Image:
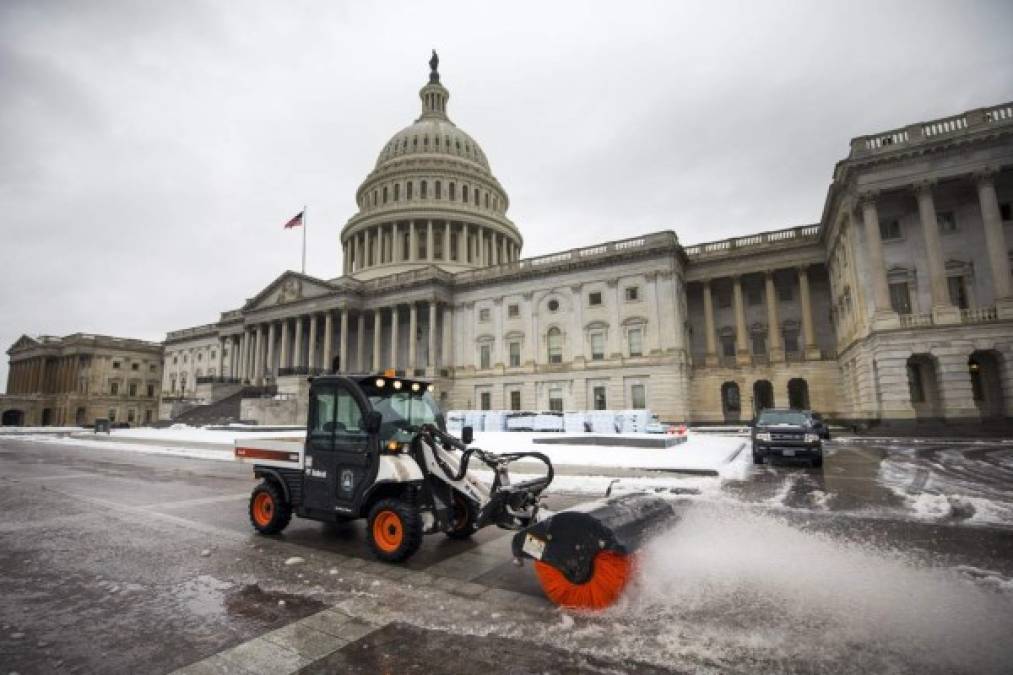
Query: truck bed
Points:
[285, 453]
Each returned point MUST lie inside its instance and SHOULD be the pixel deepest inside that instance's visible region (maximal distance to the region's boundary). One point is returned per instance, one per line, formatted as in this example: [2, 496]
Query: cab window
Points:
[323, 411]
[348, 419]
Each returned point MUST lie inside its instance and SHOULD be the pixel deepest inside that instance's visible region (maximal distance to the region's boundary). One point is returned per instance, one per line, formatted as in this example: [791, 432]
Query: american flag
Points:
[296, 221]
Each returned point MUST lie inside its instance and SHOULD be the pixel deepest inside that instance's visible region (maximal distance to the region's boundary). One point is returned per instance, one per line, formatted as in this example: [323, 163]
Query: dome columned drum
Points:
[431, 199]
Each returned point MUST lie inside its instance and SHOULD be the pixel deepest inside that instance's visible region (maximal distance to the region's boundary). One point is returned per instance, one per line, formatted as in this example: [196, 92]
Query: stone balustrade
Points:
[964, 123]
[802, 234]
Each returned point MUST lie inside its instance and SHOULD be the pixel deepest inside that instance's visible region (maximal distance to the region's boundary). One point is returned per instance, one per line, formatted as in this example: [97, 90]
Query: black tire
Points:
[757, 458]
[462, 528]
[398, 534]
[269, 511]
[818, 461]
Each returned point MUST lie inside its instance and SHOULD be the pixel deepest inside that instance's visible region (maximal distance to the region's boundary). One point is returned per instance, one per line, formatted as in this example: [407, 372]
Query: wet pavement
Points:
[897, 555]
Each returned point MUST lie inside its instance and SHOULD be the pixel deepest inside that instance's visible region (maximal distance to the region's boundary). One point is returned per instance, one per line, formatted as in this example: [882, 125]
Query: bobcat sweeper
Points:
[376, 447]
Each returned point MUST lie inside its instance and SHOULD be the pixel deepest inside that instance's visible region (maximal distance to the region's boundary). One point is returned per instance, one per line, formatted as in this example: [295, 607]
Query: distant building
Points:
[73, 380]
[897, 305]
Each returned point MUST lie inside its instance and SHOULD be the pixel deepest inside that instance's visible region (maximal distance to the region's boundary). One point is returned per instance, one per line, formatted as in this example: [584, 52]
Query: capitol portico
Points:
[896, 305]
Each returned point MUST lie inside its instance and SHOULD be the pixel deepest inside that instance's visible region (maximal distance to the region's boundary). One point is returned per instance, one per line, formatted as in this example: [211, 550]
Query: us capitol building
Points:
[896, 305]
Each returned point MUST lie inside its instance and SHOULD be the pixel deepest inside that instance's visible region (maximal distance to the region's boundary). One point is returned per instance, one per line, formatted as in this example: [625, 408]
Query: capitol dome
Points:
[431, 199]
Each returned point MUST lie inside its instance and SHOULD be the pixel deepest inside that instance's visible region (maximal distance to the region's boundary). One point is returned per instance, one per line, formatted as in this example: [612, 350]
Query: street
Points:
[122, 562]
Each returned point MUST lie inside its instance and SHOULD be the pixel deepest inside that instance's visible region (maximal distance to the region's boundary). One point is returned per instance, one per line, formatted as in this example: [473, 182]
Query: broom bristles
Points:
[611, 572]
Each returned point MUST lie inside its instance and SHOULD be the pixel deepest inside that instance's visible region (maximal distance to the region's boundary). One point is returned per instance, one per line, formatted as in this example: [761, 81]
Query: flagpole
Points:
[304, 239]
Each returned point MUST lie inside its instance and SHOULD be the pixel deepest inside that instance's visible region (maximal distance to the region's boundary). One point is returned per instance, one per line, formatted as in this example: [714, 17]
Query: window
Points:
[114, 388]
[515, 400]
[556, 399]
[889, 229]
[958, 291]
[451, 191]
[200, 356]
[151, 391]
[384, 194]
[423, 190]
[594, 299]
[439, 190]
[147, 417]
[900, 297]
[348, 416]
[213, 353]
[116, 364]
[598, 396]
[132, 389]
[554, 338]
[597, 346]
[485, 401]
[151, 368]
[791, 340]
[784, 293]
[515, 354]
[131, 415]
[724, 299]
[754, 296]
[485, 357]
[397, 191]
[632, 293]
[112, 414]
[728, 346]
[172, 383]
[947, 221]
[135, 366]
[186, 358]
[553, 305]
[323, 412]
[408, 190]
[464, 193]
[175, 360]
[513, 311]
[635, 338]
[759, 341]
[914, 378]
[638, 397]
[483, 314]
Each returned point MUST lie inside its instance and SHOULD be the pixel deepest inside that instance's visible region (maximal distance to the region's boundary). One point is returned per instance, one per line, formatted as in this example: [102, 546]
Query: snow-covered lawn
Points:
[700, 453]
[16, 431]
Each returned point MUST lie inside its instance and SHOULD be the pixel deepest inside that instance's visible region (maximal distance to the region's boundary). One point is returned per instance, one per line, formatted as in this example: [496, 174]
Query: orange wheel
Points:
[610, 574]
[263, 509]
[388, 531]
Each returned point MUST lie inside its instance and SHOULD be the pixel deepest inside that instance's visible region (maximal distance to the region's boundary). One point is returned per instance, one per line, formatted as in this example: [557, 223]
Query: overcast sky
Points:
[151, 151]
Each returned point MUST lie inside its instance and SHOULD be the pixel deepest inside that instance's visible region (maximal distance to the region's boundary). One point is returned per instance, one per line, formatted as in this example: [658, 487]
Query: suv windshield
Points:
[401, 410]
[774, 418]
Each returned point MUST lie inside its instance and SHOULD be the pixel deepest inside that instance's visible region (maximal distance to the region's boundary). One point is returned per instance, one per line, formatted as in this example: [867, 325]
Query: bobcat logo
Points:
[347, 482]
[290, 291]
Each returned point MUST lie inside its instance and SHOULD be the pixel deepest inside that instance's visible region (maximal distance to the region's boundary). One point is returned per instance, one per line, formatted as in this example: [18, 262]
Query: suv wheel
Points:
[757, 457]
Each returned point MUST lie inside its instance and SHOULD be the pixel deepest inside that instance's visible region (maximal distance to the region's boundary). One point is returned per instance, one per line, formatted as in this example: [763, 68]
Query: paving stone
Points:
[262, 657]
[307, 641]
[328, 621]
[355, 629]
[213, 665]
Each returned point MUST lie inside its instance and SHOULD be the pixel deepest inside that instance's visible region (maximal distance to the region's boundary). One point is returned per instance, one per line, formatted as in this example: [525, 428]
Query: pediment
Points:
[289, 287]
[23, 342]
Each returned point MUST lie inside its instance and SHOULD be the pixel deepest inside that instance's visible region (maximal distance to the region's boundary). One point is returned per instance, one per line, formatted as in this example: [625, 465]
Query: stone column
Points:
[432, 337]
[343, 341]
[328, 341]
[481, 247]
[258, 363]
[615, 330]
[812, 351]
[311, 349]
[995, 243]
[345, 271]
[943, 311]
[652, 331]
[297, 361]
[360, 343]
[462, 242]
[395, 236]
[413, 242]
[531, 340]
[413, 327]
[429, 241]
[446, 241]
[270, 351]
[446, 358]
[711, 355]
[494, 247]
[577, 328]
[741, 338]
[284, 359]
[234, 358]
[395, 318]
[883, 314]
[774, 347]
[377, 326]
[242, 355]
[221, 356]
[42, 374]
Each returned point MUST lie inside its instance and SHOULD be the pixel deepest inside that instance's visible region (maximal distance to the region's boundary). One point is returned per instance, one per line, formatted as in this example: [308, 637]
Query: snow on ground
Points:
[182, 434]
[100, 443]
[17, 431]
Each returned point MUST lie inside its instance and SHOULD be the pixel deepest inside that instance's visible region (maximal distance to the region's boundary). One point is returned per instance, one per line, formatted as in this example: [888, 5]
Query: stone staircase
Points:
[223, 411]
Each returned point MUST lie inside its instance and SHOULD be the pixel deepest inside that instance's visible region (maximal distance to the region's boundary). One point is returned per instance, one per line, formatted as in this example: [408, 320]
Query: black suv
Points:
[787, 433]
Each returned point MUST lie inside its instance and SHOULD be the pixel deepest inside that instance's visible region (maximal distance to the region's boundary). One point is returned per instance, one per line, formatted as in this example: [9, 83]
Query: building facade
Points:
[895, 306]
[76, 379]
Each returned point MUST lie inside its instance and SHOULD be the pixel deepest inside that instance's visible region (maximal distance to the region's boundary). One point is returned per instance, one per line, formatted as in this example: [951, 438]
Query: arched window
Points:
[476, 197]
[425, 141]
[397, 191]
[384, 194]
[408, 190]
[464, 193]
[486, 200]
[415, 142]
[374, 197]
[439, 190]
[452, 191]
[423, 189]
[555, 343]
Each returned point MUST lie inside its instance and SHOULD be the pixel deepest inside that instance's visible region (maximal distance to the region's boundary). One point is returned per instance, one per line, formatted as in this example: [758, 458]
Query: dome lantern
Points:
[434, 95]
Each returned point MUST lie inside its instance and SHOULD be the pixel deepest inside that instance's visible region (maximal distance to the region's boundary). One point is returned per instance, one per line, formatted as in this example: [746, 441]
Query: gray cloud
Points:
[150, 152]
